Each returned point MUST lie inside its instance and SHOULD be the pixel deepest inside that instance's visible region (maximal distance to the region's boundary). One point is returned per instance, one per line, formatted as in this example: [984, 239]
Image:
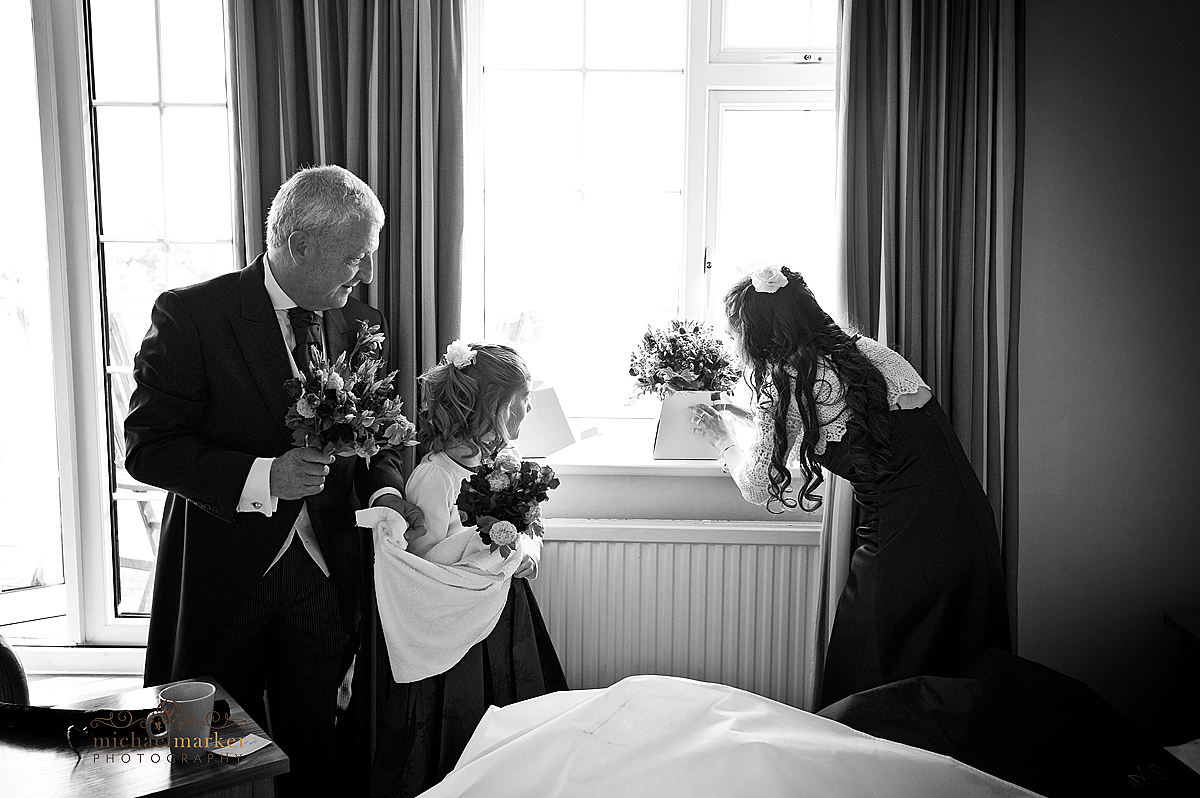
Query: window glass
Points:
[198, 199]
[583, 197]
[657, 41]
[129, 144]
[124, 50]
[774, 199]
[547, 34]
[633, 131]
[603, 184]
[193, 52]
[165, 212]
[534, 130]
[792, 24]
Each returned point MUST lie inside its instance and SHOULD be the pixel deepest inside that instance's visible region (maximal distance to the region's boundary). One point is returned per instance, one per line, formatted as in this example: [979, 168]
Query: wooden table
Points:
[41, 765]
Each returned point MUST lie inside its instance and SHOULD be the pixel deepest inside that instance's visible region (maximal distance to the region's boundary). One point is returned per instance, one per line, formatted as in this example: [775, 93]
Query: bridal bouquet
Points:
[344, 408]
[503, 500]
[686, 356]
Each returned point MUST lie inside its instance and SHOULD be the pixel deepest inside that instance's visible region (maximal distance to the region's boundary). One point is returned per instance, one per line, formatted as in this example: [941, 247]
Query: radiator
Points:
[729, 602]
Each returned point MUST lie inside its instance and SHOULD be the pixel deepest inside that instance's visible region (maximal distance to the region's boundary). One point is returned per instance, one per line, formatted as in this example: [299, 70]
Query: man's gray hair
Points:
[319, 200]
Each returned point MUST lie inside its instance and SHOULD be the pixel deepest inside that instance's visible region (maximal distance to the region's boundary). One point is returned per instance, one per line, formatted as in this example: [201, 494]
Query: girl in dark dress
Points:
[443, 681]
[925, 593]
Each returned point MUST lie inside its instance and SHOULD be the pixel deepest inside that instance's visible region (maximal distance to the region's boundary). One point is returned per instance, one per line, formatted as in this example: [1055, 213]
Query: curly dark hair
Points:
[788, 328]
[471, 405]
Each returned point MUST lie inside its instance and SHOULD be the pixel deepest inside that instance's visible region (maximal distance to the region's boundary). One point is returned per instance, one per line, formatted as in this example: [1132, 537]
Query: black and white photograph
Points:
[600, 398]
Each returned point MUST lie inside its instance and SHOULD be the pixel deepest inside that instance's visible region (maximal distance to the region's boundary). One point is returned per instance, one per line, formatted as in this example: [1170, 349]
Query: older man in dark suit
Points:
[260, 564]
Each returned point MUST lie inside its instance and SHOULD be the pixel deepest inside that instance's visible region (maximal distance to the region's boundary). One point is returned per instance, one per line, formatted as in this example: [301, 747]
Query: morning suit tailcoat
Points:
[210, 398]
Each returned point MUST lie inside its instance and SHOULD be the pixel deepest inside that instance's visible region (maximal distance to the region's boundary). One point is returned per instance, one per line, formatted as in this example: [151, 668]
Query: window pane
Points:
[31, 532]
[780, 23]
[527, 270]
[194, 263]
[775, 197]
[532, 129]
[523, 33]
[193, 51]
[124, 50]
[139, 514]
[198, 197]
[131, 198]
[566, 273]
[658, 40]
[634, 130]
[135, 275]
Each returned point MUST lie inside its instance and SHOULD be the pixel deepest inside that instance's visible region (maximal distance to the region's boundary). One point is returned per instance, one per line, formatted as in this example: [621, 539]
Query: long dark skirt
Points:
[925, 594]
[424, 726]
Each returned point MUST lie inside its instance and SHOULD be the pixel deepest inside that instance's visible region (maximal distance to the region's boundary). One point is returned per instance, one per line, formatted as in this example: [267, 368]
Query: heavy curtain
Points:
[929, 182]
[374, 86]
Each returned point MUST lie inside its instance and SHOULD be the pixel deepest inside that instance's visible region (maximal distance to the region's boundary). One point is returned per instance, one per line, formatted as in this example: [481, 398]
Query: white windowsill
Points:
[622, 447]
[124, 660]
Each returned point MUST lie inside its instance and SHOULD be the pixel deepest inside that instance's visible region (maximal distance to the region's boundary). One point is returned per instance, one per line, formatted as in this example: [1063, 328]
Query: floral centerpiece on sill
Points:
[345, 408]
[685, 356]
[503, 500]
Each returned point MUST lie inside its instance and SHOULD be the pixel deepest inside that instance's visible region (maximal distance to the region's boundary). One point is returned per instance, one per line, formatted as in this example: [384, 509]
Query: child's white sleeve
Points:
[429, 488]
[532, 546]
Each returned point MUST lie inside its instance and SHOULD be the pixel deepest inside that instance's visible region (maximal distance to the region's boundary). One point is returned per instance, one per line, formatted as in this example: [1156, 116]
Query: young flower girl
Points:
[462, 629]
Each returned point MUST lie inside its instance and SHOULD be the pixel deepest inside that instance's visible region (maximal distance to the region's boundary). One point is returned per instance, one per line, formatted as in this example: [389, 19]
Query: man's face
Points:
[328, 269]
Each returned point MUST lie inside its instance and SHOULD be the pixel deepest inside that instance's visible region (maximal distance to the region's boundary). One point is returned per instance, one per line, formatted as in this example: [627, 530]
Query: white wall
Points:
[1110, 356]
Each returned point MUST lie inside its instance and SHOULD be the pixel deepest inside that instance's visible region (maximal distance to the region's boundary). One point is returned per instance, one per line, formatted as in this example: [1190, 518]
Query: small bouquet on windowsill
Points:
[344, 408]
[686, 356]
[503, 499]
[685, 365]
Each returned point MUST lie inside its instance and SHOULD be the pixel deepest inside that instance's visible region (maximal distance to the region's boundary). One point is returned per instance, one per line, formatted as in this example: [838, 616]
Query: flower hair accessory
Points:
[768, 279]
[460, 354]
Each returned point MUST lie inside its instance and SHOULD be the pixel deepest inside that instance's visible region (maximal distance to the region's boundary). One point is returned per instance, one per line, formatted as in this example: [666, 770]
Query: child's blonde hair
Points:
[470, 404]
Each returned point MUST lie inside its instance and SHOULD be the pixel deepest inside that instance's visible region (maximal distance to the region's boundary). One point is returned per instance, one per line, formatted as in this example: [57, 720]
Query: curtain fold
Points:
[374, 86]
[929, 203]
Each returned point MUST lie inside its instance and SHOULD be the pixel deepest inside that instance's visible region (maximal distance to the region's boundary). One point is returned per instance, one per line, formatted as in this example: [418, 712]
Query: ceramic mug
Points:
[184, 712]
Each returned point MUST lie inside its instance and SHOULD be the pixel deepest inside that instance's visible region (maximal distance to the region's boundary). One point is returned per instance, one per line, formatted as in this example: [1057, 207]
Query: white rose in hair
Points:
[460, 354]
[768, 279]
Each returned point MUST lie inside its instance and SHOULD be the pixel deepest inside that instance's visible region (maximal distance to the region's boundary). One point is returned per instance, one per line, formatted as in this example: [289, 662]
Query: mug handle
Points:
[161, 716]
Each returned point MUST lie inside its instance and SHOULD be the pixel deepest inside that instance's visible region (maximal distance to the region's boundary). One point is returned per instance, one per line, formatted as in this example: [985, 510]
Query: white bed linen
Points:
[665, 736]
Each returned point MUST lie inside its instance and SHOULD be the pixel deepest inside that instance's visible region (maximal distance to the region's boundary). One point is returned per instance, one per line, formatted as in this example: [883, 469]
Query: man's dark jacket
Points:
[210, 398]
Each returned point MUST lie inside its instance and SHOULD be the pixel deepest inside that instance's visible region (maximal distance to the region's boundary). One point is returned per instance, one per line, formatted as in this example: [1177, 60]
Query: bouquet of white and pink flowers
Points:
[503, 499]
[344, 408]
[685, 356]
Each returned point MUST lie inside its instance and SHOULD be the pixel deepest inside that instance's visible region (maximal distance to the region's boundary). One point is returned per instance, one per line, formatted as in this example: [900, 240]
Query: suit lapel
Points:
[261, 341]
[339, 335]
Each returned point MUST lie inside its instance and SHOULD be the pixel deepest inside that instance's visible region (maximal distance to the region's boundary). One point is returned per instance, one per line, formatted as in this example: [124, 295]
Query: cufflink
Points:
[257, 505]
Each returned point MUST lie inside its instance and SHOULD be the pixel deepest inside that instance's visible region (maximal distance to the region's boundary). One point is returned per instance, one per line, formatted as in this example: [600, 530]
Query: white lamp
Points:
[545, 430]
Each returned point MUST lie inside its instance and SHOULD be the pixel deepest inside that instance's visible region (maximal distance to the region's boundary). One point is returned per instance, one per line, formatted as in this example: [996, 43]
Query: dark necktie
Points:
[306, 325]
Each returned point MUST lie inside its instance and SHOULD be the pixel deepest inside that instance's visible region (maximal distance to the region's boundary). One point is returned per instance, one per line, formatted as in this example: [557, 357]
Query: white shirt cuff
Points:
[384, 492]
[256, 494]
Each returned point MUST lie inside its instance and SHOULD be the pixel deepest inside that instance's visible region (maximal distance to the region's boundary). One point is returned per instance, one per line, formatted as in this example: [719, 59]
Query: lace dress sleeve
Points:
[752, 475]
[899, 374]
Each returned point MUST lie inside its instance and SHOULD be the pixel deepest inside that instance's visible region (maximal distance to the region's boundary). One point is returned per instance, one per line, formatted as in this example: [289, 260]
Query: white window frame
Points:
[721, 53]
[59, 42]
[719, 101]
[706, 75]
[86, 496]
